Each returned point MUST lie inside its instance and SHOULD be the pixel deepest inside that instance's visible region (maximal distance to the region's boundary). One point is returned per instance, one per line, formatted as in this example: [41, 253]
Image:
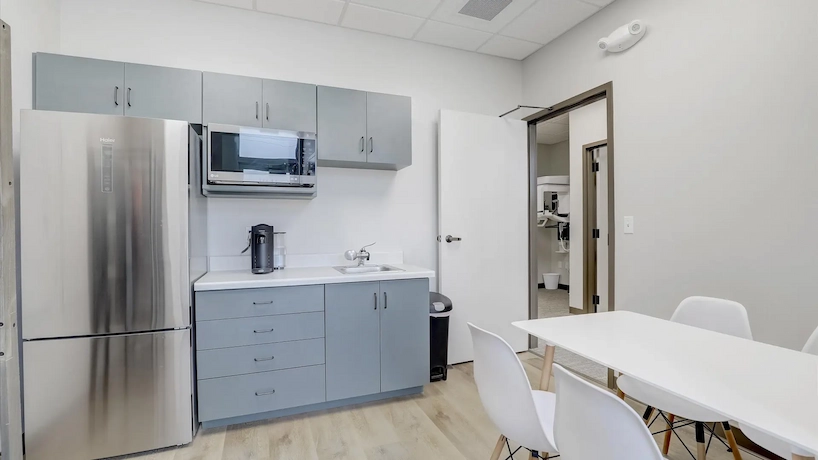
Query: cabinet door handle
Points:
[267, 109]
[267, 302]
[265, 393]
[128, 96]
[385, 301]
[265, 331]
[362, 144]
[375, 295]
[256, 110]
[116, 95]
[371, 145]
[264, 359]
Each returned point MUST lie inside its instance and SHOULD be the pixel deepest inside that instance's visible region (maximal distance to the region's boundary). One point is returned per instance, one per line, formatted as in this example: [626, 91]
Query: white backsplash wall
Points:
[353, 207]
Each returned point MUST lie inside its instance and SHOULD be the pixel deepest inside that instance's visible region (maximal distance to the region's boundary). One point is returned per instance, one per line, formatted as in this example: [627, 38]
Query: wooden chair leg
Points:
[648, 414]
[731, 440]
[701, 447]
[668, 434]
[548, 364]
[498, 449]
[620, 394]
[801, 457]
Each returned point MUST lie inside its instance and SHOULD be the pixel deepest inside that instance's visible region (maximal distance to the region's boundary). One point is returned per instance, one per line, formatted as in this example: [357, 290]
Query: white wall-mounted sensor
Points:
[623, 37]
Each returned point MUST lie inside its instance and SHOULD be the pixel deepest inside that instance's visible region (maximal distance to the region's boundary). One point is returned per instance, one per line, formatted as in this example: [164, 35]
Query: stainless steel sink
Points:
[355, 270]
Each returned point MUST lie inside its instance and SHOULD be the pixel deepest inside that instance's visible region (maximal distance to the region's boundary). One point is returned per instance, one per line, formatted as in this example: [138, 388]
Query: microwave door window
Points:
[254, 153]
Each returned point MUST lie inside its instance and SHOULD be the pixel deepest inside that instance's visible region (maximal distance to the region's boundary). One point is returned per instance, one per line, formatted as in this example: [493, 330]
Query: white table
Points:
[772, 389]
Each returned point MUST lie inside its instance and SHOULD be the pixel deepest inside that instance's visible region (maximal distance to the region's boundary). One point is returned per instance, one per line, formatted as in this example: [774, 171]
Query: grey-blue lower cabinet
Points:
[353, 340]
[377, 337]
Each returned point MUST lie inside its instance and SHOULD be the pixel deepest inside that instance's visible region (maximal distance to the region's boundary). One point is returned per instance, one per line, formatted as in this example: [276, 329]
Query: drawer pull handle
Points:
[257, 331]
[268, 302]
[265, 393]
[264, 359]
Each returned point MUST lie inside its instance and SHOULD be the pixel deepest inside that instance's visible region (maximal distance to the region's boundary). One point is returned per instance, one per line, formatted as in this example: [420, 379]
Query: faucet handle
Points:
[363, 249]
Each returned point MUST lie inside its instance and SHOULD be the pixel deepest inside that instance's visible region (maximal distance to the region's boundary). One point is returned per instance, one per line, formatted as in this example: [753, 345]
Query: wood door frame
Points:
[601, 92]
[589, 221]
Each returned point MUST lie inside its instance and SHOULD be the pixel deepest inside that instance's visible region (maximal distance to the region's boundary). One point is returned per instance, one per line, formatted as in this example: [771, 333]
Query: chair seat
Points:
[773, 444]
[546, 405]
[666, 402]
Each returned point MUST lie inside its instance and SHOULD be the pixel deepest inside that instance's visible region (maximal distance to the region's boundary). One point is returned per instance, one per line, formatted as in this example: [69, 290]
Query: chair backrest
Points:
[504, 389]
[717, 315]
[811, 346]
[592, 423]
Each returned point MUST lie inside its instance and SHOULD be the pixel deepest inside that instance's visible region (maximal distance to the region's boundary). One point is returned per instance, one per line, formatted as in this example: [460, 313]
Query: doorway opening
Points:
[571, 261]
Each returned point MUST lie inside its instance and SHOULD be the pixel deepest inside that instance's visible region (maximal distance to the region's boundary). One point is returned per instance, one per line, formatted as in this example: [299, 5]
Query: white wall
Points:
[714, 118]
[353, 207]
[586, 125]
[552, 160]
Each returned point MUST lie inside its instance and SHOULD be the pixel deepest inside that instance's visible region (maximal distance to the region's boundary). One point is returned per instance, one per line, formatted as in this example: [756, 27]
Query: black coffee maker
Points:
[261, 248]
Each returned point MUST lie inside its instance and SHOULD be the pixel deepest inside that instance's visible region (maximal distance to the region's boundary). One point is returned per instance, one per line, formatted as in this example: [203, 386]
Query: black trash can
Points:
[440, 307]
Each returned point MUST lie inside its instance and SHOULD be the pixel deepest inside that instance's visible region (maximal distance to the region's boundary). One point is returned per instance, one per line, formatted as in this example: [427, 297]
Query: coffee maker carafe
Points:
[261, 248]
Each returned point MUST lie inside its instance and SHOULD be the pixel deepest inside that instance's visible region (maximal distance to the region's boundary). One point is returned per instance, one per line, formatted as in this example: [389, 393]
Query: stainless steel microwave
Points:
[258, 161]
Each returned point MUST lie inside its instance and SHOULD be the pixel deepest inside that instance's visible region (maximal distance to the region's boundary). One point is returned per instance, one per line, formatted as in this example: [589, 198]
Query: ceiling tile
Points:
[448, 13]
[421, 8]
[247, 4]
[549, 19]
[381, 21]
[453, 36]
[509, 47]
[328, 11]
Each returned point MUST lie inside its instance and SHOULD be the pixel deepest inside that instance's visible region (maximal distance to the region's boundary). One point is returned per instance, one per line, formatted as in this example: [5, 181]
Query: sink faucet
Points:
[361, 256]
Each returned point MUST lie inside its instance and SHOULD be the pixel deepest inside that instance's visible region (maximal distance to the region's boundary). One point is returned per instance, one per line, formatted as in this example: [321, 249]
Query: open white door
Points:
[483, 189]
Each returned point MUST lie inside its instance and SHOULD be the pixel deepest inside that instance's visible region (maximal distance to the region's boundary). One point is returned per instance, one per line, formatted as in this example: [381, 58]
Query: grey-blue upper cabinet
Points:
[389, 130]
[341, 127]
[404, 334]
[289, 105]
[357, 129]
[231, 99]
[72, 84]
[353, 362]
[163, 92]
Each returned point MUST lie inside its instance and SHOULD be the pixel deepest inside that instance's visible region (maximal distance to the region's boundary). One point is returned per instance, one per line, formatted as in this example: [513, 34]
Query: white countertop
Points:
[243, 279]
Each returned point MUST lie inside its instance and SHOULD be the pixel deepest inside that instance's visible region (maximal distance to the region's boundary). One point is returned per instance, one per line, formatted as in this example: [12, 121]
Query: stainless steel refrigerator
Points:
[106, 269]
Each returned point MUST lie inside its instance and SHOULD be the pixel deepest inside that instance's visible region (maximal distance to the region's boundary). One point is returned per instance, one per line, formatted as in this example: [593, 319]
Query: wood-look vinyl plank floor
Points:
[446, 422]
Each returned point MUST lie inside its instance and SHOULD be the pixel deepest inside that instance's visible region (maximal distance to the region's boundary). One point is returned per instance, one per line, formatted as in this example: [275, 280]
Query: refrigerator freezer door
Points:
[95, 397]
[104, 224]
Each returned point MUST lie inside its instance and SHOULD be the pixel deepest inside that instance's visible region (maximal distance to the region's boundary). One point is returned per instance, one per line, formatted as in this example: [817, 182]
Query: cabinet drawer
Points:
[243, 303]
[261, 329]
[254, 393]
[259, 358]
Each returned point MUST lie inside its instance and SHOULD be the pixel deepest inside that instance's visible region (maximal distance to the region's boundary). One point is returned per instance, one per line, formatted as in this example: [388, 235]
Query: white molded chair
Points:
[775, 445]
[716, 315]
[521, 414]
[592, 423]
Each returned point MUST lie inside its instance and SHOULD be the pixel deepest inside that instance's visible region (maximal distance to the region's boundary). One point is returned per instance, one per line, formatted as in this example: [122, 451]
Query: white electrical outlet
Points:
[628, 224]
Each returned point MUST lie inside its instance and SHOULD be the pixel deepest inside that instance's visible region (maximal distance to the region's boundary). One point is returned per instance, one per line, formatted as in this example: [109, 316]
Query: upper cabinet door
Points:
[72, 84]
[290, 106]
[404, 334]
[162, 92]
[231, 99]
[341, 126]
[389, 127]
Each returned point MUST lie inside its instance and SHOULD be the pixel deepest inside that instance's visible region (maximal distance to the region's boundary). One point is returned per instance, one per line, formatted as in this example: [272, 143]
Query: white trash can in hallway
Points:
[551, 280]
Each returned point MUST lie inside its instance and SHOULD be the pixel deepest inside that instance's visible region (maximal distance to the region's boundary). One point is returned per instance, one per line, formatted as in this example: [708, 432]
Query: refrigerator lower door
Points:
[95, 397]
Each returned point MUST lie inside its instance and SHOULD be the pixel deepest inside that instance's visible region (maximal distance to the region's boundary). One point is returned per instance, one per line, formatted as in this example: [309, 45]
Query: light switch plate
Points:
[628, 224]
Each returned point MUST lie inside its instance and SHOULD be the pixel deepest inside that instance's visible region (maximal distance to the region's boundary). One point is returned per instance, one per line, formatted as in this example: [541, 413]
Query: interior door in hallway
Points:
[483, 202]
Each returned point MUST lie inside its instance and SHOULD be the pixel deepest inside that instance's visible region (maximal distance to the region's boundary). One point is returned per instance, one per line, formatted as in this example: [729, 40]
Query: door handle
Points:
[264, 359]
[450, 238]
[265, 393]
[375, 295]
[362, 144]
[116, 95]
[256, 110]
[128, 97]
[385, 301]
[265, 331]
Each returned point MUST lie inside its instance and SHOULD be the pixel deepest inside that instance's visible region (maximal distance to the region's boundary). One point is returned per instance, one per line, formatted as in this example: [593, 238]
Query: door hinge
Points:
[595, 233]
[595, 166]
[595, 299]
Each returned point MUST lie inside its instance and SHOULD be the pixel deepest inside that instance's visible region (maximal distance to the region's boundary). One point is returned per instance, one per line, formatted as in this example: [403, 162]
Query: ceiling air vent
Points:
[484, 9]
